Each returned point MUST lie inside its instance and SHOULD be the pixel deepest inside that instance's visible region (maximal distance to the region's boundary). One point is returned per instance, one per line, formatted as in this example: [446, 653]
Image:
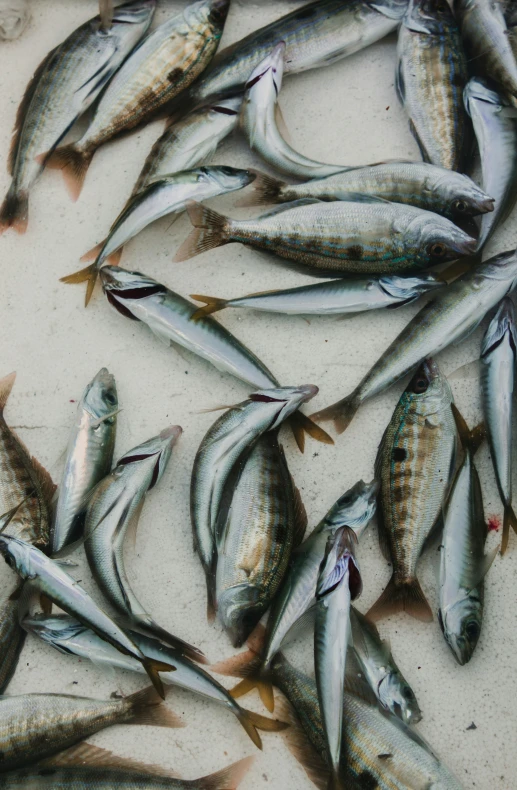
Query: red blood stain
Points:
[493, 523]
[72, 401]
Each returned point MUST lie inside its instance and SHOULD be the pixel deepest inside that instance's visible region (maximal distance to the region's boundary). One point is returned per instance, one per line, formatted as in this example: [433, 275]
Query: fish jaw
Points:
[289, 398]
[239, 610]
[396, 696]
[461, 626]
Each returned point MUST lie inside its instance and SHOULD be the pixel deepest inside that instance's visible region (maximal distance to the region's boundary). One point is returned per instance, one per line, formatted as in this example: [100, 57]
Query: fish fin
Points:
[301, 424]
[227, 779]
[303, 623]
[209, 231]
[400, 85]
[266, 190]
[406, 597]
[471, 440]
[6, 385]
[113, 259]
[47, 485]
[74, 164]
[87, 275]
[300, 516]
[106, 12]
[14, 212]
[46, 605]
[485, 566]
[147, 708]
[301, 748]
[423, 152]
[211, 604]
[212, 305]
[252, 722]
[175, 642]
[241, 665]
[86, 754]
[153, 668]
[249, 666]
[341, 413]
[509, 520]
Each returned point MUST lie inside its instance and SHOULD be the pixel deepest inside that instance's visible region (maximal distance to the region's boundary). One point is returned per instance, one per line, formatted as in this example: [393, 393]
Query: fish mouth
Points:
[171, 434]
[463, 246]
[486, 205]
[307, 391]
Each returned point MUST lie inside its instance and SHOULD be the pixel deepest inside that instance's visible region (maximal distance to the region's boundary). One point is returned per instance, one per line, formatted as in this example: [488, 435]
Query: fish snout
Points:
[171, 434]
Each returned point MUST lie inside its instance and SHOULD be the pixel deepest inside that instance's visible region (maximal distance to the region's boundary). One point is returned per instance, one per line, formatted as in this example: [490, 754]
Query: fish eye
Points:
[472, 631]
[110, 398]
[420, 385]
[407, 693]
[437, 250]
[10, 561]
[460, 206]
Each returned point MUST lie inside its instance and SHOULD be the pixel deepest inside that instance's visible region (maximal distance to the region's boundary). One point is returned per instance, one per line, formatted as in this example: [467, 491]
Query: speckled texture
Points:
[347, 113]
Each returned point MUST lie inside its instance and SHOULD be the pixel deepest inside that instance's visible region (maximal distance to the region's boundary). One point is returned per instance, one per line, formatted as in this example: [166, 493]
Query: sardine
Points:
[455, 312]
[164, 64]
[378, 666]
[264, 520]
[498, 355]
[167, 314]
[88, 459]
[495, 127]
[297, 594]
[431, 75]
[64, 85]
[361, 235]
[168, 195]
[414, 465]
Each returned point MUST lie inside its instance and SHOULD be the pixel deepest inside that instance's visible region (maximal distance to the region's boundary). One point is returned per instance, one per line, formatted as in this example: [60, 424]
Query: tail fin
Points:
[509, 520]
[250, 666]
[87, 275]
[209, 233]
[406, 597]
[175, 642]
[153, 667]
[212, 305]
[14, 212]
[147, 708]
[93, 254]
[267, 190]
[341, 413]
[227, 779]
[254, 721]
[106, 11]
[301, 424]
[74, 163]
[6, 385]
[470, 439]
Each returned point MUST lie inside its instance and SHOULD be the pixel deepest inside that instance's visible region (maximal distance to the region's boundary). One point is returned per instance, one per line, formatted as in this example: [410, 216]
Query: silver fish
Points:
[498, 354]
[449, 318]
[88, 459]
[64, 85]
[168, 315]
[495, 127]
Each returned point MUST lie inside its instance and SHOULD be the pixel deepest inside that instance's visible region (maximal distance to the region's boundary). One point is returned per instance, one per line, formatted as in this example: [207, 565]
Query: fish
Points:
[64, 85]
[294, 603]
[498, 355]
[224, 443]
[51, 580]
[339, 583]
[114, 509]
[495, 128]
[486, 35]
[378, 666]
[165, 63]
[88, 459]
[431, 75]
[414, 465]
[36, 726]
[454, 313]
[68, 636]
[420, 184]
[360, 235]
[106, 13]
[379, 751]
[256, 533]
[12, 636]
[167, 314]
[162, 197]
[463, 563]
[331, 297]
[258, 123]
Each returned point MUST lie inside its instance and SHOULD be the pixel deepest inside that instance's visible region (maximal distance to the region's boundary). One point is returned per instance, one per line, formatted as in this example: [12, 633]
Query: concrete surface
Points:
[348, 113]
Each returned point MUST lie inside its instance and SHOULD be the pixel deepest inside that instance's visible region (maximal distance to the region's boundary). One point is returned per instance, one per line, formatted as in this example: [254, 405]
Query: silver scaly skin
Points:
[88, 459]
[495, 127]
[454, 313]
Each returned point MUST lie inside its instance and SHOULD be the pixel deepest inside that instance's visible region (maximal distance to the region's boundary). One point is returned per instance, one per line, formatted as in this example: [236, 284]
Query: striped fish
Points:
[430, 78]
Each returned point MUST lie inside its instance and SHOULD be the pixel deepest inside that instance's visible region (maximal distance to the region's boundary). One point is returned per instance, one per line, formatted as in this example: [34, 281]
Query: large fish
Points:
[164, 64]
[88, 458]
[431, 76]
[498, 355]
[451, 316]
[414, 465]
[263, 522]
[64, 85]
[360, 235]
[495, 127]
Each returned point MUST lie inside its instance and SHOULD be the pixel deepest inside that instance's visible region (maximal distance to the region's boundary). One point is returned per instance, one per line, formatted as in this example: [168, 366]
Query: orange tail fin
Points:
[74, 164]
[341, 413]
[407, 597]
[14, 212]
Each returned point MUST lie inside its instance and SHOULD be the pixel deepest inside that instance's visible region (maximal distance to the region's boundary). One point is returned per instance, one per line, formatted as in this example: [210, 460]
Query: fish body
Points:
[64, 85]
[362, 235]
[431, 76]
[414, 464]
[496, 134]
[88, 459]
[12, 636]
[168, 315]
[454, 313]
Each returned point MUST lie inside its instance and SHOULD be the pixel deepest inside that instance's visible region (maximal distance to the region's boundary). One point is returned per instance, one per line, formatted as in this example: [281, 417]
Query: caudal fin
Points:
[106, 11]
[227, 779]
[341, 413]
[87, 275]
[406, 597]
[14, 212]
[212, 305]
[509, 520]
[153, 667]
[266, 190]
[209, 231]
[147, 708]
[301, 424]
[249, 666]
[252, 722]
[6, 385]
[73, 163]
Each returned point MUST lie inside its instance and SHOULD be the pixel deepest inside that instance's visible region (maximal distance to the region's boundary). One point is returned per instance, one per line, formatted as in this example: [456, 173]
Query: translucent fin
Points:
[341, 413]
[509, 520]
[113, 259]
[252, 721]
[407, 597]
[212, 305]
[86, 754]
[306, 425]
[14, 212]
[74, 164]
[266, 190]
[147, 708]
[87, 275]
[209, 232]
[6, 385]
[227, 779]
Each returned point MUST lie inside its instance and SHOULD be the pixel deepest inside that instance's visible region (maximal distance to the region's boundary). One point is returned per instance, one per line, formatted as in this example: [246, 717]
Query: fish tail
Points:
[212, 305]
[509, 520]
[300, 425]
[106, 11]
[173, 641]
[6, 385]
[406, 597]
[14, 211]
[93, 254]
[209, 231]
[260, 681]
[227, 779]
[470, 439]
[267, 190]
[87, 275]
[335, 782]
[146, 708]
[153, 667]
[250, 666]
[341, 413]
[211, 605]
[252, 722]
[73, 163]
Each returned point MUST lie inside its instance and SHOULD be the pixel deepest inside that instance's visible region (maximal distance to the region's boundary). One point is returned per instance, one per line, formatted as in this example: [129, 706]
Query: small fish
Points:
[414, 465]
[455, 312]
[64, 85]
[168, 316]
[495, 127]
[88, 459]
[168, 195]
[263, 521]
[339, 583]
[431, 75]
[463, 564]
[498, 355]
[361, 235]
[164, 64]
[331, 297]
[378, 666]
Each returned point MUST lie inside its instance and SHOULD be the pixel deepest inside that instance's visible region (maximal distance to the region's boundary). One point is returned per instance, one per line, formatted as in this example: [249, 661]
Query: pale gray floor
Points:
[348, 113]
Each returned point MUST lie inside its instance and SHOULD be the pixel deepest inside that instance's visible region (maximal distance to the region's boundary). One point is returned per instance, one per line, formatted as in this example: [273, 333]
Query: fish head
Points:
[16, 553]
[100, 398]
[284, 400]
[53, 629]
[354, 508]
[502, 324]
[458, 194]
[461, 626]
[207, 12]
[434, 239]
[154, 454]
[428, 390]
[393, 9]
[226, 179]
[408, 288]
[240, 609]
[429, 17]
[397, 696]
[339, 565]
[123, 287]
[265, 81]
